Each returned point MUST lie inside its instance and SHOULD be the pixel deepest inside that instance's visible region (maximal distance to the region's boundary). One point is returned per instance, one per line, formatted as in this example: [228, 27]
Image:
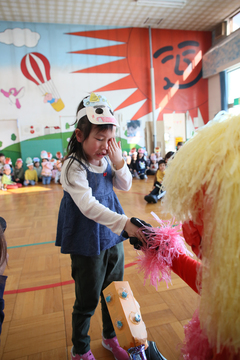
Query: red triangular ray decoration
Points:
[145, 109]
[132, 99]
[125, 83]
[116, 50]
[121, 35]
[115, 67]
[204, 112]
[193, 113]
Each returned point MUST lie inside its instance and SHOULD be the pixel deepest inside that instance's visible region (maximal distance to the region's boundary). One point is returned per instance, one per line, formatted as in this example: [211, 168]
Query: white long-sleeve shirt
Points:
[81, 193]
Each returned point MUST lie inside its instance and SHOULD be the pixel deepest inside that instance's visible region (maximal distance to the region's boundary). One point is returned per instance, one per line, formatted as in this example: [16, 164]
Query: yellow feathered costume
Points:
[208, 192]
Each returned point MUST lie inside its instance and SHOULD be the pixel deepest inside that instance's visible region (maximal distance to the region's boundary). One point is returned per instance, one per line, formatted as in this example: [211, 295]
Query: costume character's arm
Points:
[187, 269]
[170, 252]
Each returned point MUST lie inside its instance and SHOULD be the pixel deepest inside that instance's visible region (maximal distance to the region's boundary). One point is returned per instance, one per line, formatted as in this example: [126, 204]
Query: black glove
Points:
[134, 240]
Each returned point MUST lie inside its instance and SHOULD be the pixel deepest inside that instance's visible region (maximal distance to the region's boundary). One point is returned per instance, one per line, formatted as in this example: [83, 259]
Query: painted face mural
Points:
[177, 63]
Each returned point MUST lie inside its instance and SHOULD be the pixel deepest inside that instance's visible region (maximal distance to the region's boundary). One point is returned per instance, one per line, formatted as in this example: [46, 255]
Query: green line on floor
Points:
[42, 243]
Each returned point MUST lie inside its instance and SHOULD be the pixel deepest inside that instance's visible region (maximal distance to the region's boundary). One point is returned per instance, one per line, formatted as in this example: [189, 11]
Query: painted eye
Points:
[99, 111]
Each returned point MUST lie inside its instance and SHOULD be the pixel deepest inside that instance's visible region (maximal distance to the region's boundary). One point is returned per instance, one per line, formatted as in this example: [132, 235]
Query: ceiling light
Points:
[163, 3]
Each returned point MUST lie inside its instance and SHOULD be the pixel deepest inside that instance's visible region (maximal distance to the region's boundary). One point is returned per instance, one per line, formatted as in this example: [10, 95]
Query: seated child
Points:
[168, 156]
[157, 152]
[157, 193]
[54, 168]
[37, 167]
[58, 173]
[7, 182]
[179, 145]
[18, 172]
[46, 171]
[141, 164]
[59, 155]
[9, 162]
[46, 167]
[153, 165]
[31, 177]
[133, 166]
[2, 163]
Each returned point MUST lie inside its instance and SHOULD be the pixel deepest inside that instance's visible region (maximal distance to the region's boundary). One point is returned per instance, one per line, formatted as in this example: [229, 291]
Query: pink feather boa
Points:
[163, 244]
[195, 345]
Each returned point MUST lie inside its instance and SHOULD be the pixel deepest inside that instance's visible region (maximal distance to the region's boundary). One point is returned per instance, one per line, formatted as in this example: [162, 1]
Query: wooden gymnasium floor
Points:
[39, 293]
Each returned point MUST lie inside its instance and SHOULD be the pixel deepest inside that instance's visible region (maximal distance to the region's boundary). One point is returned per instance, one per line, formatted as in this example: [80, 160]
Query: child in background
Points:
[8, 161]
[30, 175]
[153, 165]
[168, 156]
[59, 155]
[37, 167]
[7, 182]
[133, 166]
[18, 171]
[58, 173]
[3, 263]
[141, 164]
[91, 219]
[2, 163]
[157, 152]
[157, 193]
[46, 172]
[54, 168]
[179, 145]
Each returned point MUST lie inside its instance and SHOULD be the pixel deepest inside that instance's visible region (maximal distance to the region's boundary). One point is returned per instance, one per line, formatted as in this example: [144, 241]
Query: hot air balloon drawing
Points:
[36, 67]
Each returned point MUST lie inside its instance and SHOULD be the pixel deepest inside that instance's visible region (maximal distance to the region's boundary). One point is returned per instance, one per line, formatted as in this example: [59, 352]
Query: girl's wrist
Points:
[118, 165]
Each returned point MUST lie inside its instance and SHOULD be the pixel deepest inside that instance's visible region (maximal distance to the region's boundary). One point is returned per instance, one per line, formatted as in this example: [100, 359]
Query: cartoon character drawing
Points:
[13, 95]
[49, 98]
[36, 67]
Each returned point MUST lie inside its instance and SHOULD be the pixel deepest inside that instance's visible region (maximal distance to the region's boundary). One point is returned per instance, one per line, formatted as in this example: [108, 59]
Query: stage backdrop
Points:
[46, 69]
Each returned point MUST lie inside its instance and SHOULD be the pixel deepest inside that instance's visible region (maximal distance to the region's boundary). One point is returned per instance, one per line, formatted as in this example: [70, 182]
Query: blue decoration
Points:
[119, 324]
[108, 298]
[137, 318]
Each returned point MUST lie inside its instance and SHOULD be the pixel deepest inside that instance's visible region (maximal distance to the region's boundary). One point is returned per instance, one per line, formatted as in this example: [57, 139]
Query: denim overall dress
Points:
[77, 234]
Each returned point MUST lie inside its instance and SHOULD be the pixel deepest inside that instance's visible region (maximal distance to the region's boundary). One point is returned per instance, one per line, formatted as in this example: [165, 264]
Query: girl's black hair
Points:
[169, 154]
[3, 244]
[75, 147]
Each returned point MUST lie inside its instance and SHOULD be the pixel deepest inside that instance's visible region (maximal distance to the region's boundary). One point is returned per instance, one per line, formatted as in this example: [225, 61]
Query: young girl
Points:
[3, 263]
[91, 219]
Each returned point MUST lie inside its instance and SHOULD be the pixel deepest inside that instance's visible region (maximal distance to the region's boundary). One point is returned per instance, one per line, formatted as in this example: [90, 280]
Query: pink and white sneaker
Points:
[87, 356]
[113, 346]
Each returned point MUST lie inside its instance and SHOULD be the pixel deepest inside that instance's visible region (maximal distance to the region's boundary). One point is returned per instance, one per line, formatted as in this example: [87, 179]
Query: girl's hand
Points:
[115, 153]
[134, 231]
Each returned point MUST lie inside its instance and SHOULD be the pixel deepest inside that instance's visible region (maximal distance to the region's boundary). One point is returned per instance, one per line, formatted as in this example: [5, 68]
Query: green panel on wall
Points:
[33, 148]
[12, 151]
